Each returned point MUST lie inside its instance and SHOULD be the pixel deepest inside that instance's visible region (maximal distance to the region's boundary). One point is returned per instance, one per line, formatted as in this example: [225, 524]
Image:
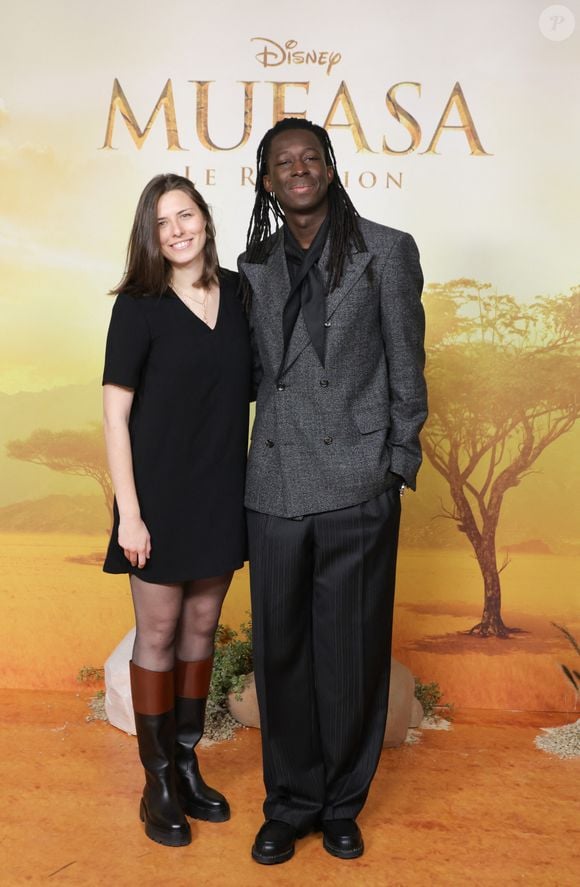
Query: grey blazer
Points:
[326, 437]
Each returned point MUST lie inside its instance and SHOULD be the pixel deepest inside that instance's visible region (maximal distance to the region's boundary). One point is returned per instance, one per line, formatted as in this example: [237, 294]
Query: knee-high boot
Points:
[153, 702]
[197, 799]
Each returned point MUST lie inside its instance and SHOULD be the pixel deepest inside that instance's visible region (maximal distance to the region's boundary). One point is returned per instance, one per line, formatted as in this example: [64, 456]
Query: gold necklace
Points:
[201, 303]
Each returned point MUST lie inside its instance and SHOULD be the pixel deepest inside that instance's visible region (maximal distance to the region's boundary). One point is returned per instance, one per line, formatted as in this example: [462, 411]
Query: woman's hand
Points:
[135, 541]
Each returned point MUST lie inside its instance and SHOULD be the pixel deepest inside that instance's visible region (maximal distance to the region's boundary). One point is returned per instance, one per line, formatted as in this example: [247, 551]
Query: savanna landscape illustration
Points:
[490, 547]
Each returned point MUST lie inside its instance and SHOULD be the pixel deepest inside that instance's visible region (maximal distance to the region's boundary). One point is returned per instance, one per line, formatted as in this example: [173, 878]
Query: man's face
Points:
[297, 172]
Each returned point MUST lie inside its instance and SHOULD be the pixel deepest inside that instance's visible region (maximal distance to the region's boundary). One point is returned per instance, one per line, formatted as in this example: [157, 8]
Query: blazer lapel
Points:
[270, 284]
[352, 273]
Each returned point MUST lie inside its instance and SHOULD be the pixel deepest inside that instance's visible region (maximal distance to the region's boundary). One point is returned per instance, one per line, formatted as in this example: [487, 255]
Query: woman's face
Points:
[181, 228]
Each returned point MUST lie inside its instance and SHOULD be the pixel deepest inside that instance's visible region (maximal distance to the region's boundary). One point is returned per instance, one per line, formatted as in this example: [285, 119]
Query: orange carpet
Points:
[478, 805]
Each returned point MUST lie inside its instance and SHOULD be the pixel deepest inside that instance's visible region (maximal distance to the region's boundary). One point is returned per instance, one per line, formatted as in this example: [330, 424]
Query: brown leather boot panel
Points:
[152, 691]
[192, 679]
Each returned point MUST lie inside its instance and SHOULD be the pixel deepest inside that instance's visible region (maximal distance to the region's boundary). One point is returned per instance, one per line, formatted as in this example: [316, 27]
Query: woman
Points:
[176, 391]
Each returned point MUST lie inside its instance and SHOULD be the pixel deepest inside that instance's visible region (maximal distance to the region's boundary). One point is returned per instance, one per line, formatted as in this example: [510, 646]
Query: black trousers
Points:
[322, 606]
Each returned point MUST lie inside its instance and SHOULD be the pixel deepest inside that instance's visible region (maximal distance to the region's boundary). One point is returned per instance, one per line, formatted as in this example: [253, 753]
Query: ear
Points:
[267, 183]
[329, 174]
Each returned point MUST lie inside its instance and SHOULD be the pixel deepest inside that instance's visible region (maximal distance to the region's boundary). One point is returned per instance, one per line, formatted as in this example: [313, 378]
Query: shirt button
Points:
[327, 323]
[280, 387]
[324, 383]
[327, 440]
[269, 443]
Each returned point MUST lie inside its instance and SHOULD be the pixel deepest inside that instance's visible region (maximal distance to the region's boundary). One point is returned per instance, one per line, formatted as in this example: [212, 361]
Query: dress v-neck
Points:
[192, 312]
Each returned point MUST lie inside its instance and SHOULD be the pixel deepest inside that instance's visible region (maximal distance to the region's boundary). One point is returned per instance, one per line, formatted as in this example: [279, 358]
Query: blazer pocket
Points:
[369, 419]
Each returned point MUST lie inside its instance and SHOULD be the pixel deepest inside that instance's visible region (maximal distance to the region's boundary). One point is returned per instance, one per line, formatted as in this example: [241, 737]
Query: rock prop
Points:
[405, 710]
[245, 709]
[118, 704]
[417, 714]
[401, 705]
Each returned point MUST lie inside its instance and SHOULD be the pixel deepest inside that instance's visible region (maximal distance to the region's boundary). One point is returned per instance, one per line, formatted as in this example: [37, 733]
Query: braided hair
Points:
[344, 232]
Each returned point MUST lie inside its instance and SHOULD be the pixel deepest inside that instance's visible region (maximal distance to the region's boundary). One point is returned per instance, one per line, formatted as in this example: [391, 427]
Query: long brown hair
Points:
[147, 271]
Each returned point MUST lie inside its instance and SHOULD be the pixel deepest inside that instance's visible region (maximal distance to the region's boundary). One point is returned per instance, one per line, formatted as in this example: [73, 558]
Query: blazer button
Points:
[280, 387]
[324, 383]
[327, 323]
[269, 443]
[327, 440]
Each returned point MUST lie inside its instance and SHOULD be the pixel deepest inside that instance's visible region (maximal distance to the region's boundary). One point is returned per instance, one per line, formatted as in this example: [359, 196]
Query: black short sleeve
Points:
[128, 343]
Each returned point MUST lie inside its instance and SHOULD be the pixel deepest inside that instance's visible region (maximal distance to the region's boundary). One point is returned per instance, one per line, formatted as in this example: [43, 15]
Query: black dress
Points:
[188, 429]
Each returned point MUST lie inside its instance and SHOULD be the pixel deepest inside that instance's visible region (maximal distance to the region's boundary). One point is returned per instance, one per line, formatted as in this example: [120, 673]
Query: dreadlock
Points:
[344, 232]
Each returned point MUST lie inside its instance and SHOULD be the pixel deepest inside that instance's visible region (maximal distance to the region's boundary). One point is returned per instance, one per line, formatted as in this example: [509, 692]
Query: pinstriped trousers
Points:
[322, 606]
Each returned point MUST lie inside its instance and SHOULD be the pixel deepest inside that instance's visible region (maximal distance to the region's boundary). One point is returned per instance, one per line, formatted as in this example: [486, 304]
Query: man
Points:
[337, 328]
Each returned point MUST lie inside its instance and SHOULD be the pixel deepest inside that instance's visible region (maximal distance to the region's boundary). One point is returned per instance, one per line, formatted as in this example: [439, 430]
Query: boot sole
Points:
[162, 835]
[206, 815]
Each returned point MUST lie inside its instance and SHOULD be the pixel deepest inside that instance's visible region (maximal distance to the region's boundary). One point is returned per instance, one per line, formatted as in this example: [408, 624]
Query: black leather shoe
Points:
[274, 842]
[342, 838]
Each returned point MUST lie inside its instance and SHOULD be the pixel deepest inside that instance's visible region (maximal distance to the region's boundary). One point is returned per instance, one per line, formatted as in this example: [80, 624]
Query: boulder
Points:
[245, 710]
[417, 714]
[404, 709]
[401, 696]
[118, 703]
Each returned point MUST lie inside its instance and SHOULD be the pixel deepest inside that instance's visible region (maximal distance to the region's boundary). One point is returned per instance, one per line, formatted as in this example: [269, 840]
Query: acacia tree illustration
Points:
[503, 382]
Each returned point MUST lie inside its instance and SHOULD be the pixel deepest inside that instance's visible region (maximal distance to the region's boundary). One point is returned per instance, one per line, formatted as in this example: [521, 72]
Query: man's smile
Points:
[302, 186]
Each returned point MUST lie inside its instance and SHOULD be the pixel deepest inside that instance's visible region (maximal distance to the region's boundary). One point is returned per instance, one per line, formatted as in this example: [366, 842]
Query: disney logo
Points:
[273, 55]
